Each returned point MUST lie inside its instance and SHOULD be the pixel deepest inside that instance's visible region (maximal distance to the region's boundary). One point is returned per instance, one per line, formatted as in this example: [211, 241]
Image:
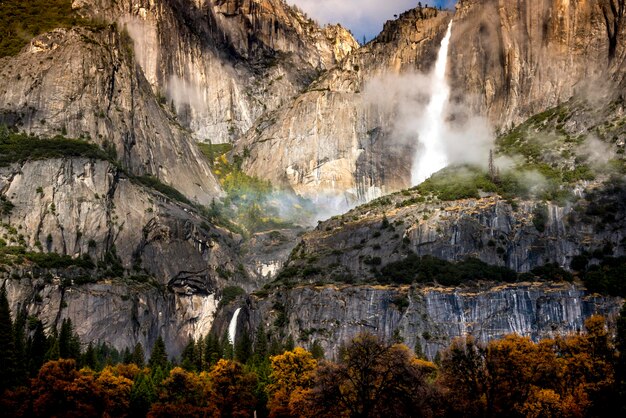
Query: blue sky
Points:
[363, 17]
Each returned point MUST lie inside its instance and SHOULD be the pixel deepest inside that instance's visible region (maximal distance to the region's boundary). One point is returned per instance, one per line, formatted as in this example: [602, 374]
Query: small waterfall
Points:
[232, 327]
[431, 156]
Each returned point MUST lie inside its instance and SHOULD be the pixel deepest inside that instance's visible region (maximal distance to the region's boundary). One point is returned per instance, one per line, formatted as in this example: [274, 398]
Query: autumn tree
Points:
[587, 369]
[61, 390]
[183, 394]
[374, 379]
[291, 379]
[515, 366]
[463, 373]
[232, 389]
[114, 387]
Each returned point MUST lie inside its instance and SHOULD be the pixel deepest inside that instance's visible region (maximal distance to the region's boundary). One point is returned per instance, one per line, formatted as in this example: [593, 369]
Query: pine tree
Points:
[198, 353]
[187, 358]
[317, 351]
[7, 344]
[138, 356]
[227, 347]
[127, 356]
[290, 345]
[19, 340]
[89, 358]
[212, 351]
[275, 347]
[37, 348]
[158, 358]
[243, 347]
[260, 345]
[53, 352]
[69, 343]
[142, 395]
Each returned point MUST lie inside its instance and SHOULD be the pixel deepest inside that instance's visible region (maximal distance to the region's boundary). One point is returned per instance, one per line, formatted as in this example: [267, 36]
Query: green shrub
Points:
[229, 294]
[156, 184]
[429, 269]
[607, 278]
[553, 272]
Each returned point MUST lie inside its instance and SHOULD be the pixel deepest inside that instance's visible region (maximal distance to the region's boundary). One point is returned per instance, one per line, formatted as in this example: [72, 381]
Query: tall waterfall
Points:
[232, 327]
[431, 155]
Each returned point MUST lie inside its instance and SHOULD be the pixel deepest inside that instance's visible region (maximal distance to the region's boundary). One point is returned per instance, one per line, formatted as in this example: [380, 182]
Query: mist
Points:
[464, 138]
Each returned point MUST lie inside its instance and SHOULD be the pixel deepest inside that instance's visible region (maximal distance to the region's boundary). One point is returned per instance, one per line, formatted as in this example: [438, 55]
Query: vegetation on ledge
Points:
[251, 203]
[22, 20]
[20, 147]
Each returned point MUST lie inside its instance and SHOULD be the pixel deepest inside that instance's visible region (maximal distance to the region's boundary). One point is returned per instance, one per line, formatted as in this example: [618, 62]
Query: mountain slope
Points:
[84, 83]
[334, 141]
[222, 64]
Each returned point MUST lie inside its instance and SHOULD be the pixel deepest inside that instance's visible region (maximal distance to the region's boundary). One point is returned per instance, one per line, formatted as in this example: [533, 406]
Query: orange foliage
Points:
[61, 390]
[292, 376]
[184, 394]
[232, 389]
[567, 377]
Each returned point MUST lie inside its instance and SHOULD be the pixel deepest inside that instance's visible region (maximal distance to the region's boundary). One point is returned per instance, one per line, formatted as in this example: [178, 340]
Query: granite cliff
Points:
[222, 64]
[427, 319]
[513, 59]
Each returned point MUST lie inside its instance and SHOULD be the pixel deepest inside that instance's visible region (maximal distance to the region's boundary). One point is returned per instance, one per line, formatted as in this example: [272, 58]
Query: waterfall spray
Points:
[431, 155]
[232, 327]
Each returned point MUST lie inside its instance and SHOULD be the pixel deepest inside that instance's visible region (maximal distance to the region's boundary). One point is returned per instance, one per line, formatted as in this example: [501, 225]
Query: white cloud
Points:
[363, 17]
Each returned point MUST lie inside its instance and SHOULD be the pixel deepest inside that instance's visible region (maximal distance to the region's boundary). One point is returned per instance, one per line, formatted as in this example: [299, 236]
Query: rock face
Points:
[85, 84]
[175, 260]
[221, 64]
[78, 206]
[118, 313]
[354, 246]
[334, 141]
[512, 59]
[428, 319]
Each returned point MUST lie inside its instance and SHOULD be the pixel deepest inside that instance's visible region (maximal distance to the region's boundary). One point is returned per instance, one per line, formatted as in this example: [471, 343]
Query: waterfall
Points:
[232, 327]
[431, 155]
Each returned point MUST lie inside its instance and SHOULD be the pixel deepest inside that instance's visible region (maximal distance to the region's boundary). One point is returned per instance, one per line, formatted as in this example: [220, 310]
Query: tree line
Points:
[580, 375]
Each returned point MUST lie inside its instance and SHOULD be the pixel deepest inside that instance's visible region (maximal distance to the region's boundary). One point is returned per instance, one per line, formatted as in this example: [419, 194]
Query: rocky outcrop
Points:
[354, 246]
[512, 59]
[78, 206]
[222, 64]
[428, 318]
[84, 83]
[120, 313]
[334, 142]
[175, 263]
